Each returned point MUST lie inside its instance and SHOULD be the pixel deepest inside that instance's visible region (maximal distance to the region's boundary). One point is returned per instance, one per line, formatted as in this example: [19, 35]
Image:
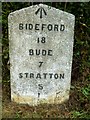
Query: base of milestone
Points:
[36, 101]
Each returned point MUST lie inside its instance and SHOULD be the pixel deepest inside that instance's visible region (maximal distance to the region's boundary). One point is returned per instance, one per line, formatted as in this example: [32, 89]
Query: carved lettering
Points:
[42, 75]
[41, 27]
[42, 52]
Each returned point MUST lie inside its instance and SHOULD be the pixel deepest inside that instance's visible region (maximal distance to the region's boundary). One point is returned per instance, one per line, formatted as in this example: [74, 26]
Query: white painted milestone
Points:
[41, 48]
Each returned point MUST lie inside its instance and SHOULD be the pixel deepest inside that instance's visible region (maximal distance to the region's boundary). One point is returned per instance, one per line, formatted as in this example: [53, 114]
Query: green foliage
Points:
[17, 115]
[86, 91]
[88, 77]
[80, 114]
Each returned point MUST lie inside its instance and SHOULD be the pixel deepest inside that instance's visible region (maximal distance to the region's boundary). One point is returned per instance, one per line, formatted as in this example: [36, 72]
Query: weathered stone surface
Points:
[41, 49]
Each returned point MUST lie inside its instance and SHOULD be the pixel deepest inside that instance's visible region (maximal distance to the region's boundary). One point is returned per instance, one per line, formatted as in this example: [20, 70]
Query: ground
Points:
[78, 105]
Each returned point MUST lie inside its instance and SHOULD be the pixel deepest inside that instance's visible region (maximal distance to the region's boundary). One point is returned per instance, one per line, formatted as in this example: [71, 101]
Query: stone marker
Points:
[41, 49]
